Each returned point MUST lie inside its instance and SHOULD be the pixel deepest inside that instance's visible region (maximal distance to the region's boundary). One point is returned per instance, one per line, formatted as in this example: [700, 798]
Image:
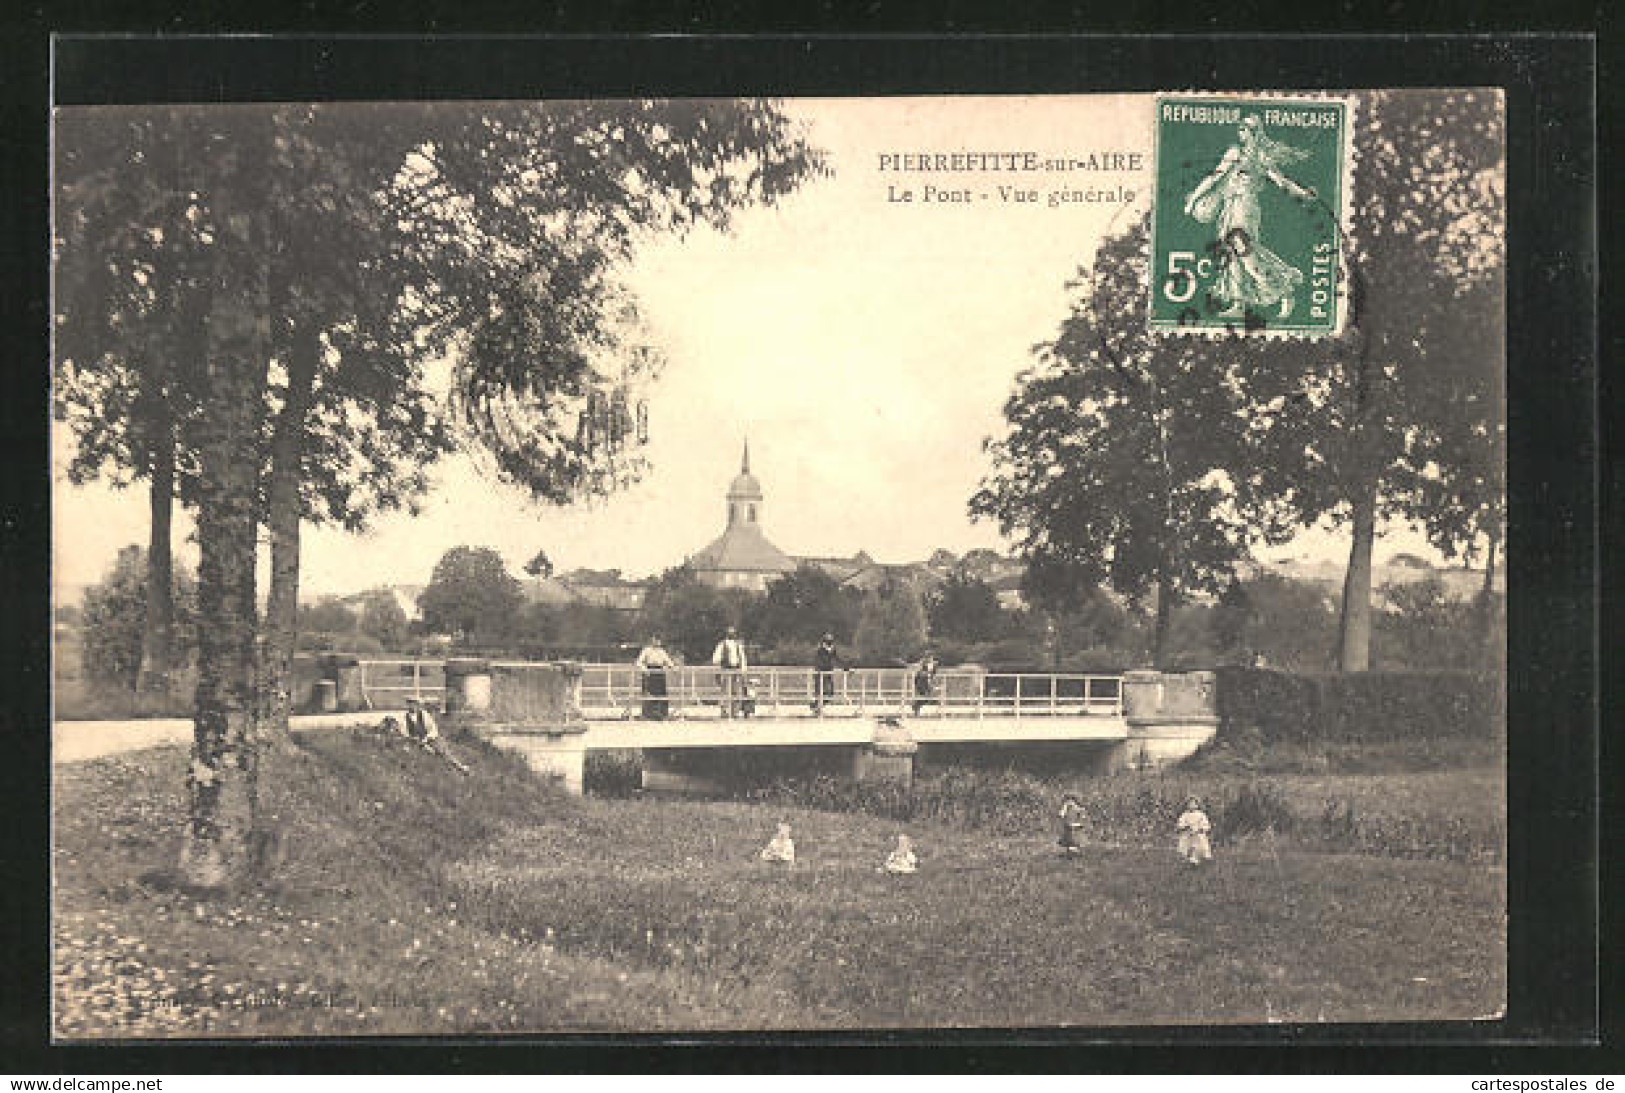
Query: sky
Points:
[863, 344]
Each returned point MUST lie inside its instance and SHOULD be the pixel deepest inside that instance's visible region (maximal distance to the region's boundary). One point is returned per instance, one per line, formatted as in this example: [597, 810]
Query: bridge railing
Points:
[617, 690]
[386, 684]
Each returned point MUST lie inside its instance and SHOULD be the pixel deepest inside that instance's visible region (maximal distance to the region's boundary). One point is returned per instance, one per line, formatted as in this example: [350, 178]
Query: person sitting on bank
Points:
[423, 729]
[653, 663]
[826, 659]
[729, 657]
[925, 681]
[421, 725]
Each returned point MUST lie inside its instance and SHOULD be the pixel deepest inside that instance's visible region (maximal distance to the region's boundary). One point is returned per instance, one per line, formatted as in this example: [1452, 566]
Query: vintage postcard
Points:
[659, 566]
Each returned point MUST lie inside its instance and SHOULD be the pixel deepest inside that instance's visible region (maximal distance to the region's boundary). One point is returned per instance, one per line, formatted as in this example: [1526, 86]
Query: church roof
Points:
[742, 547]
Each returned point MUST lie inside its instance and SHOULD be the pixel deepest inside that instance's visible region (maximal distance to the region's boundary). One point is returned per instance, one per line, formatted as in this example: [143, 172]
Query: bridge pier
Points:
[1169, 715]
[531, 709]
[889, 757]
[557, 753]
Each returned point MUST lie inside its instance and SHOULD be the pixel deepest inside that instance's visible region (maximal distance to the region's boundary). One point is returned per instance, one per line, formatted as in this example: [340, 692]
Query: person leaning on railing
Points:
[729, 656]
[653, 663]
[826, 660]
[925, 682]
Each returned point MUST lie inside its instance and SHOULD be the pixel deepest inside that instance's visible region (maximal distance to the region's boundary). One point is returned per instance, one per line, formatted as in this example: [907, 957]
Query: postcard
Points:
[666, 566]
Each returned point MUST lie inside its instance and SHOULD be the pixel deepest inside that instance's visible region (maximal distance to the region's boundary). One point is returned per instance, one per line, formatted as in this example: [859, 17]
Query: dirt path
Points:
[76, 741]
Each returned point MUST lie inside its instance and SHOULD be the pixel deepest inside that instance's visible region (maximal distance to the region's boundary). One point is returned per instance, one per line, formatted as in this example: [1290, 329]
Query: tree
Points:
[123, 314]
[383, 619]
[689, 614]
[966, 608]
[539, 566]
[1404, 416]
[114, 620]
[471, 596]
[804, 605]
[892, 626]
[329, 616]
[348, 245]
[1234, 620]
[1128, 455]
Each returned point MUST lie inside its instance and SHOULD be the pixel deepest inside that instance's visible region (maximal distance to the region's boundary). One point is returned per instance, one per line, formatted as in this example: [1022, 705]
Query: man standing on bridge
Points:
[653, 663]
[826, 659]
[730, 658]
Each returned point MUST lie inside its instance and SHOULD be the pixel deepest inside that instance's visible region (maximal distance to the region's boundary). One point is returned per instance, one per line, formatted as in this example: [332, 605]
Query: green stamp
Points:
[1248, 221]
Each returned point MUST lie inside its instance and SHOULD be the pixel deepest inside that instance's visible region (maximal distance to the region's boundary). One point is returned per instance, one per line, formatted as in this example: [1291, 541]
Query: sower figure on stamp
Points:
[1250, 274]
[729, 658]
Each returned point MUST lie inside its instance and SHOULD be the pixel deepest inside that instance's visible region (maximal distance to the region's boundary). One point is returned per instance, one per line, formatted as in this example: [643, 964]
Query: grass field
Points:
[411, 900]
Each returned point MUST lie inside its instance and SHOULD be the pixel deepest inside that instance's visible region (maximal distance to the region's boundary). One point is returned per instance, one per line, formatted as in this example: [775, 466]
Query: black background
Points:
[1556, 471]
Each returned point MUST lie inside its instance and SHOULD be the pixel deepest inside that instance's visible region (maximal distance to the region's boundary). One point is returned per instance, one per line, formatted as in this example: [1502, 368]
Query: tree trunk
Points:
[1494, 637]
[223, 777]
[279, 633]
[1166, 596]
[158, 636]
[1354, 622]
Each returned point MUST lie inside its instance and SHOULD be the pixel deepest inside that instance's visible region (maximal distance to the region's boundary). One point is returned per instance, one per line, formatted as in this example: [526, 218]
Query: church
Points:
[742, 556]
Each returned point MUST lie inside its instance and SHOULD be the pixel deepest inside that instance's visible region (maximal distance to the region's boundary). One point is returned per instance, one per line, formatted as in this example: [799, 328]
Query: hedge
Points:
[1363, 706]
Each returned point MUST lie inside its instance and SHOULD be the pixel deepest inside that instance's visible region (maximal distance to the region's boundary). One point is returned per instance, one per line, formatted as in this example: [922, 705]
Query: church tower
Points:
[745, 495]
[741, 557]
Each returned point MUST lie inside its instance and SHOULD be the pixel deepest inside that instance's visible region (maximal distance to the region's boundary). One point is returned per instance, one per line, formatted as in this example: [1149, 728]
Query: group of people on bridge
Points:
[737, 688]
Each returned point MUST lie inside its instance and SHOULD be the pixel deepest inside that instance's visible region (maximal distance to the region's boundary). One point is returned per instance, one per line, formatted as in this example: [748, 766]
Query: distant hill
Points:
[1460, 582]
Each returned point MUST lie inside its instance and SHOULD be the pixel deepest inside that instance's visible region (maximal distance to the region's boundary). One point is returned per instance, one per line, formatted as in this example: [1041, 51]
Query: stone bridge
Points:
[708, 730]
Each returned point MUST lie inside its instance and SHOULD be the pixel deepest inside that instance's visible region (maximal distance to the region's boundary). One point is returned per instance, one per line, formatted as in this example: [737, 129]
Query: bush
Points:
[1141, 811]
[613, 773]
[115, 615]
[1282, 707]
[114, 620]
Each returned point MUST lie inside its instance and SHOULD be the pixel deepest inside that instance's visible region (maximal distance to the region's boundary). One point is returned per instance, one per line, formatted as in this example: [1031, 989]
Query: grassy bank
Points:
[409, 899]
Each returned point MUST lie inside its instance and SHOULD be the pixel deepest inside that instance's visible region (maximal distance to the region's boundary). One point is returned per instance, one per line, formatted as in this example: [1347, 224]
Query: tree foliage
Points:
[688, 614]
[1405, 415]
[383, 619]
[113, 619]
[472, 595]
[966, 608]
[892, 627]
[327, 616]
[290, 269]
[805, 604]
[1129, 461]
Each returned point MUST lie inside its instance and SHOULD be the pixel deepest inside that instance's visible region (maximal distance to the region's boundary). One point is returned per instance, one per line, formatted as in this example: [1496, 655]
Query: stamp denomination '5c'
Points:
[1248, 224]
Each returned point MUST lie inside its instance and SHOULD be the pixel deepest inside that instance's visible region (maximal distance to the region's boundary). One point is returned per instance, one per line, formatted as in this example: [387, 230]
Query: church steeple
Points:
[745, 494]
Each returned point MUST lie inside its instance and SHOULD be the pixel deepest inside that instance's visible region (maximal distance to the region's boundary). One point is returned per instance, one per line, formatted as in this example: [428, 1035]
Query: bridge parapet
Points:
[1169, 716]
[531, 709]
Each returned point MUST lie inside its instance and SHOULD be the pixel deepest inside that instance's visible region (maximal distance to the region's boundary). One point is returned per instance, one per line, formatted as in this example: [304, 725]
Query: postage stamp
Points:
[1250, 195]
